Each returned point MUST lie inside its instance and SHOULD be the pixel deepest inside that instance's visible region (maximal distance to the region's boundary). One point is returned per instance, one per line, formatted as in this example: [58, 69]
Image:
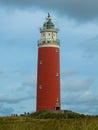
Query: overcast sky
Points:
[19, 32]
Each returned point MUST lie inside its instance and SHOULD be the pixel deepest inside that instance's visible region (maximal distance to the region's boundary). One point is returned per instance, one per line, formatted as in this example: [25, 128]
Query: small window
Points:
[49, 34]
[43, 41]
[40, 86]
[57, 74]
[57, 50]
[48, 41]
[41, 62]
[57, 99]
[43, 34]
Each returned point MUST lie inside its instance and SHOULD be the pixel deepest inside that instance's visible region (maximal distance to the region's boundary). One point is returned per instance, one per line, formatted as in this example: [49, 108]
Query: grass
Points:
[28, 123]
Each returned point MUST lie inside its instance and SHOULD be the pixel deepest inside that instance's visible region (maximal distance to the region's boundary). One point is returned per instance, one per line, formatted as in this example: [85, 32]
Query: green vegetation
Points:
[47, 115]
[56, 115]
[48, 120]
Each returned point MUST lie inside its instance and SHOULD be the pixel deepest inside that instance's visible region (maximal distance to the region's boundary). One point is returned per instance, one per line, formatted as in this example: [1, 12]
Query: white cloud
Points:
[68, 72]
[30, 82]
[77, 84]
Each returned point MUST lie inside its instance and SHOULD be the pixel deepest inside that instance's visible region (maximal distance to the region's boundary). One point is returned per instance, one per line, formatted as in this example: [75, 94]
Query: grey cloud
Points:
[83, 109]
[88, 97]
[6, 110]
[90, 47]
[15, 72]
[86, 102]
[79, 9]
[14, 99]
[27, 89]
[77, 84]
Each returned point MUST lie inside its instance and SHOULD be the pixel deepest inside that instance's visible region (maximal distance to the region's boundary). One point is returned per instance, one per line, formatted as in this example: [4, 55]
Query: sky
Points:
[19, 33]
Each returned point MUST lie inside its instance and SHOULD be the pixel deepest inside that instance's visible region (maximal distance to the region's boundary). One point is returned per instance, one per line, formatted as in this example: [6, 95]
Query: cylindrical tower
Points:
[48, 71]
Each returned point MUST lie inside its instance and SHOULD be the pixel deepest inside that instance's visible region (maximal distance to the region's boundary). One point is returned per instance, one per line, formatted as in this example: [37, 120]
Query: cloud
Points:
[84, 98]
[22, 72]
[6, 110]
[90, 47]
[30, 82]
[14, 99]
[78, 95]
[85, 102]
[82, 10]
[88, 97]
[75, 85]
[69, 72]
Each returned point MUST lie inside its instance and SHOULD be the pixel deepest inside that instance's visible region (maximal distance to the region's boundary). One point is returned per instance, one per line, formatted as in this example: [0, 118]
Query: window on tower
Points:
[57, 50]
[48, 41]
[40, 86]
[43, 34]
[41, 62]
[49, 34]
[57, 74]
[57, 99]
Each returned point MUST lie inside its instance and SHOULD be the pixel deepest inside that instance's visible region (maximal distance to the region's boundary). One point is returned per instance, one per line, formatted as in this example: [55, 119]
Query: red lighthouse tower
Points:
[48, 73]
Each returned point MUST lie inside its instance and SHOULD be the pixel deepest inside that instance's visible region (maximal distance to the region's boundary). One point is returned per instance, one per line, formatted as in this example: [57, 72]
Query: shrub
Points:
[47, 115]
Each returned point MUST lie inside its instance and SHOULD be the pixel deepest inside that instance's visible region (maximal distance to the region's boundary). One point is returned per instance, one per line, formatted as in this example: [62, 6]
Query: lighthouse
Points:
[48, 68]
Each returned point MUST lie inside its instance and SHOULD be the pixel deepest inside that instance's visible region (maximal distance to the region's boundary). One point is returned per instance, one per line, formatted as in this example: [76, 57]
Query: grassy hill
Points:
[31, 122]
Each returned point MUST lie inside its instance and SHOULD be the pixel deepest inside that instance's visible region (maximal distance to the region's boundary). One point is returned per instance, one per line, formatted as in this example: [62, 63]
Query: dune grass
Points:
[28, 123]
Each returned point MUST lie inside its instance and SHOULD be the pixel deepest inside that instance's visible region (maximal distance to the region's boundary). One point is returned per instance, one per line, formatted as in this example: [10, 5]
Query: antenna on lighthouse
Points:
[49, 17]
[48, 14]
